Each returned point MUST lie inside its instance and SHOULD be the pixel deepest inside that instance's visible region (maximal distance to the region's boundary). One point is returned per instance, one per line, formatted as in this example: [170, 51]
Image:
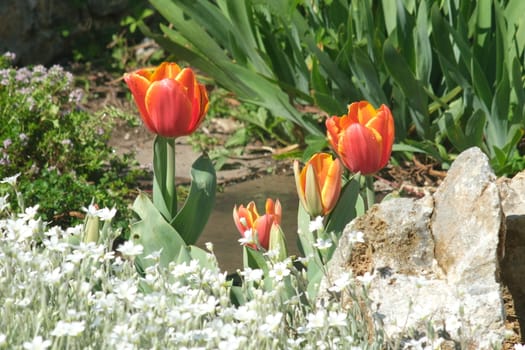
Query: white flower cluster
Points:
[56, 291]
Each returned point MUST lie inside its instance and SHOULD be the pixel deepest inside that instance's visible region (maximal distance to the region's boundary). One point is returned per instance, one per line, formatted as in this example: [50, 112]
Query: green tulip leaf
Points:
[346, 209]
[254, 259]
[193, 216]
[314, 274]
[154, 233]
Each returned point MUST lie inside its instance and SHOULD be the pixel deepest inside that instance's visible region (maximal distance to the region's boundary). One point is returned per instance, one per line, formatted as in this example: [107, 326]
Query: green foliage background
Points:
[451, 70]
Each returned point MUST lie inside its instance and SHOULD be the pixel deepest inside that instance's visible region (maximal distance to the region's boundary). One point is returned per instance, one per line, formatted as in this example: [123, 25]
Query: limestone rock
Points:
[435, 260]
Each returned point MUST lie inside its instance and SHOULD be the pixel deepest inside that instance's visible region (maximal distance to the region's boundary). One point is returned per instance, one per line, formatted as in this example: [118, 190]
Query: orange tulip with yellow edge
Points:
[363, 138]
[250, 224]
[319, 183]
[170, 100]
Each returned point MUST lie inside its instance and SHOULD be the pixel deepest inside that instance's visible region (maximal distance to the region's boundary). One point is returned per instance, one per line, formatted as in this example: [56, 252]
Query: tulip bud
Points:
[319, 183]
[363, 138]
[251, 225]
[278, 242]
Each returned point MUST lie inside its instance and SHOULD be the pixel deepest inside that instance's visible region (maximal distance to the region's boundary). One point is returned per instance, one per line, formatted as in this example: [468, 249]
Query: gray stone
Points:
[467, 221]
[512, 194]
[33, 29]
[434, 260]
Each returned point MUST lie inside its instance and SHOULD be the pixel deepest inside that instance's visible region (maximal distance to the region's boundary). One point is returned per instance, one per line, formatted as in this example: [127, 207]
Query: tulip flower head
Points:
[255, 228]
[319, 183]
[170, 101]
[363, 138]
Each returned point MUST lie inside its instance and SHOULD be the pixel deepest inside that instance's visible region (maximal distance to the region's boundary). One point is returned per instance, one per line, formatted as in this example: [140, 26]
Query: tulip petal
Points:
[242, 214]
[362, 150]
[300, 180]
[169, 108]
[331, 187]
[263, 226]
[313, 192]
[138, 86]
[165, 70]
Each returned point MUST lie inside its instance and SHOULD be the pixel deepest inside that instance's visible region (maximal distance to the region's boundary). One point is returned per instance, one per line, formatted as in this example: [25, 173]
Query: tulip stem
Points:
[370, 193]
[164, 191]
[170, 176]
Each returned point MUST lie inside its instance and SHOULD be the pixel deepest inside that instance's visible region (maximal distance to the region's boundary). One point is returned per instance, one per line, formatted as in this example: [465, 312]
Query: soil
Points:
[242, 174]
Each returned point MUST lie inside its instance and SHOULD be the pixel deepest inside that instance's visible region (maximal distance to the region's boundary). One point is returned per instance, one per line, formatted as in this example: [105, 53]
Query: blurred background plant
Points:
[59, 147]
[452, 71]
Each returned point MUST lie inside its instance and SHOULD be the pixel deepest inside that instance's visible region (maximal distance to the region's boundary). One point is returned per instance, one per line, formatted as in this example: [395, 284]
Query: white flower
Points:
[245, 314]
[11, 180]
[130, 249]
[252, 275]
[366, 278]
[316, 224]
[71, 329]
[272, 323]
[337, 319]
[356, 237]
[316, 320]
[53, 276]
[209, 246]
[2, 339]
[279, 271]
[76, 230]
[4, 204]
[323, 244]
[92, 210]
[519, 347]
[248, 237]
[341, 283]
[106, 214]
[29, 213]
[38, 343]
[126, 290]
[155, 256]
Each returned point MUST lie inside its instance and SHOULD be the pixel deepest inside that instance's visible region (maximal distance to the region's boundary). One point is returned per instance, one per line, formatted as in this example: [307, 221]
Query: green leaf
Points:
[305, 237]
[254, 259]
[237, 296]
[154, 233]
[345, 210]
[314, 274]
[412, 89]
[193, 216]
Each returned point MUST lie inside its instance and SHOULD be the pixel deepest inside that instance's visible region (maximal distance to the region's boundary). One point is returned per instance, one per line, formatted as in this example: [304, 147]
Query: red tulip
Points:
[319, 183]
[249, 222]
[170, 101]
[363, 138]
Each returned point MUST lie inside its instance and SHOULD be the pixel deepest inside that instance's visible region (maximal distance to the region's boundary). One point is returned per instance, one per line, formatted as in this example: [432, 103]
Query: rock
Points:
[39, 31]
[434, 260]
[466, 222]
[512, 194]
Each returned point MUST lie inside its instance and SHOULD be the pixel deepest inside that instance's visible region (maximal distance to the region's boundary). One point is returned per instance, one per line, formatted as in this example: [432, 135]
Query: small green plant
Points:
[60, 148]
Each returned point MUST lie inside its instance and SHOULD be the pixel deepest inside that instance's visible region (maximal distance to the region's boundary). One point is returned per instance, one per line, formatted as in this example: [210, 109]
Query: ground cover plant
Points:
[60, 147]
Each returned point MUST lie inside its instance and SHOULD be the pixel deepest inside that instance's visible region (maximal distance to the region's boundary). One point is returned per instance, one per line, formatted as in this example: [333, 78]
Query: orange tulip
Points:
[249, 222]
[319, 183]
[363, 138]
[170, 101]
